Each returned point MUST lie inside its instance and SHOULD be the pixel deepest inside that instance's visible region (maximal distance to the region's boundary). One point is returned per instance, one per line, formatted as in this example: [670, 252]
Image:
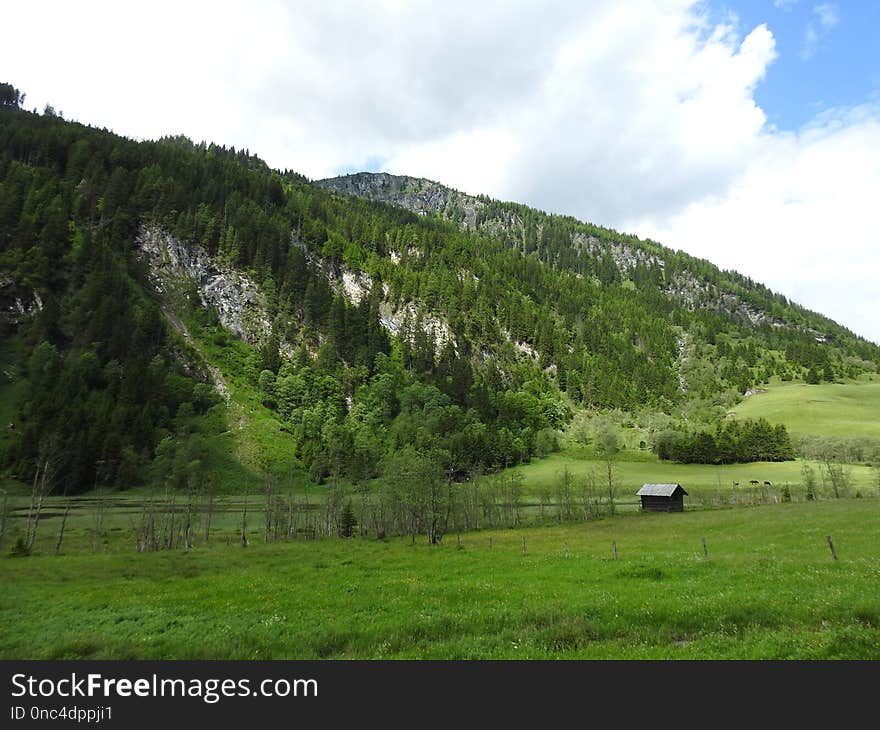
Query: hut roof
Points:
[659, 490]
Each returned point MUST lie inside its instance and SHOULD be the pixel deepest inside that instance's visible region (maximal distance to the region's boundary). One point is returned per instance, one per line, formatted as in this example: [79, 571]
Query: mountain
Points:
[564, 242]
[610, 258]
[181, 314]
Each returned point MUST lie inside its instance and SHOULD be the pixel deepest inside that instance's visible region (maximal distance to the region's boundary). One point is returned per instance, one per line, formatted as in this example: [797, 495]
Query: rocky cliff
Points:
[17, 303]
[240, 305]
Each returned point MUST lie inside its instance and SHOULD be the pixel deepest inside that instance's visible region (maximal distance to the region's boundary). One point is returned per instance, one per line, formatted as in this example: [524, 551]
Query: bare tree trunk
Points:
[209, 516]
[188, 523]
[290, 516]
[267, 514]
[45, 486]
[32, 507]
[3, 516]
[609, 466]
[140, 530]
[244, 540]
[32, 527]
[97, 522]
[363, 515]
[148, 527]
[168, 527]
[61, 529]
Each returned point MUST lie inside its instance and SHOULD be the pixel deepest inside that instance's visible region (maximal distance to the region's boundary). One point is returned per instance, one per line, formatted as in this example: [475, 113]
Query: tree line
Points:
[731, 442]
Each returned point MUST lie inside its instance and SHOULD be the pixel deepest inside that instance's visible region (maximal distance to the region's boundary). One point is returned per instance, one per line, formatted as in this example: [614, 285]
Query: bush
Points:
[20, 548]
[546, 442]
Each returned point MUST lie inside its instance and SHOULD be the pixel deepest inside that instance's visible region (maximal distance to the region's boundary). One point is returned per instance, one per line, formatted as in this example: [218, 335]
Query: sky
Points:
[746, 132]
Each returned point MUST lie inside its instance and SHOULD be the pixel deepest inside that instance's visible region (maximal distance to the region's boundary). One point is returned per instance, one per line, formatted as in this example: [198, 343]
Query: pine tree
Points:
[347, 521]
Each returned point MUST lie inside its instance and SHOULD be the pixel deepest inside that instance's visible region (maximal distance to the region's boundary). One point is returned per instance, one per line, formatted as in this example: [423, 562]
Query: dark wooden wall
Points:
[663, 504]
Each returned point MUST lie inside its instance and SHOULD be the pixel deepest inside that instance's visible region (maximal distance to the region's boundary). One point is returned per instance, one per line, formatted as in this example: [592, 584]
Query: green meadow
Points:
[828, 409]
[768, 590]
[634, 468]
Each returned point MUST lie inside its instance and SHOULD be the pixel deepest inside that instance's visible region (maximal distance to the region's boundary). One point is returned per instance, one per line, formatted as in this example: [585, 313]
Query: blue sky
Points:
[828, 54]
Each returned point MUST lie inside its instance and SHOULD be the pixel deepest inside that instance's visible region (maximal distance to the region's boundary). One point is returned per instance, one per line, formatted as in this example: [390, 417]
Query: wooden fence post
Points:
[614, 550]
[566, 551]
[705, 550]
[524, 544]
[490, 542]
[831, 545]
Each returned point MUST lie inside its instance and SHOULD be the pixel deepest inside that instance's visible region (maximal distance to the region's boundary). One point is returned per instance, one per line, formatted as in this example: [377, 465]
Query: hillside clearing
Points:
[828, 409]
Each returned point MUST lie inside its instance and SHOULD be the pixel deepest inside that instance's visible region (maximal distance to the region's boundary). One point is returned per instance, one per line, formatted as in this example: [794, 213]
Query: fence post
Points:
[524, 544]
[705, 550]
[831, 545]
[614, 550]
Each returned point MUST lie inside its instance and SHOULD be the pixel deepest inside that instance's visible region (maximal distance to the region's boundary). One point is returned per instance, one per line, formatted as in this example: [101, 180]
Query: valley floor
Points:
[705, 483]
[768, 590]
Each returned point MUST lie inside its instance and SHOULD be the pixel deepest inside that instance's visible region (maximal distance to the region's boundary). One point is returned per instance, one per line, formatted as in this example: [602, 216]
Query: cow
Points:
[754, 482]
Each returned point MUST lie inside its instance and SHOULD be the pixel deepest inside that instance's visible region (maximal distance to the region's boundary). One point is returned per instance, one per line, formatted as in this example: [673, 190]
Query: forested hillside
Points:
[431, 345]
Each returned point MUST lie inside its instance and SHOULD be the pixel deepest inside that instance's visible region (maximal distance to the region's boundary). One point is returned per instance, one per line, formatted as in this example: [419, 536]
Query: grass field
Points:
[829, 409]
[768, 590]
[632, 469]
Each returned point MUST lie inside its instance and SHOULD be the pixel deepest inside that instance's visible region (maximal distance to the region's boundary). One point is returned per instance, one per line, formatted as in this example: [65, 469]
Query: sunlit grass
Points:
[768, 590]
[828, 409]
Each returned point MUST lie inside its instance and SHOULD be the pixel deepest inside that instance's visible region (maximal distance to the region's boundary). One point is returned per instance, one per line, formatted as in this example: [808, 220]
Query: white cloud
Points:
[638, 115]
[799, 218]
[826, 14]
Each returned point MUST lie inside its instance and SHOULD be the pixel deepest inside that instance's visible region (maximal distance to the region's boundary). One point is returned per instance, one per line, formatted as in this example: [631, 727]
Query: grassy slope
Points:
[253, 444]
[769, 590]
[829, 409]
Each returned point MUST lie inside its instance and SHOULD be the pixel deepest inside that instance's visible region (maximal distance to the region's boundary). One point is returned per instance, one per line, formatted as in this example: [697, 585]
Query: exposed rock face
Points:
[399, 319]
[240, 305]
[395, 320]
[412, 193]
[425, 196]
[696, 294]
[681, 360]
[17, 304]
[625, 257]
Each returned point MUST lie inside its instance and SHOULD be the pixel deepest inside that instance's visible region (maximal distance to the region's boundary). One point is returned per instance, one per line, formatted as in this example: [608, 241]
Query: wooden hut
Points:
[662, 497]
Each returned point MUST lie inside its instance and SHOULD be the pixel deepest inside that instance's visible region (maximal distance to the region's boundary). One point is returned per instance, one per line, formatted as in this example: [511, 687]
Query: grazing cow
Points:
[754, 482]
[736, 484]
[767, 484]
